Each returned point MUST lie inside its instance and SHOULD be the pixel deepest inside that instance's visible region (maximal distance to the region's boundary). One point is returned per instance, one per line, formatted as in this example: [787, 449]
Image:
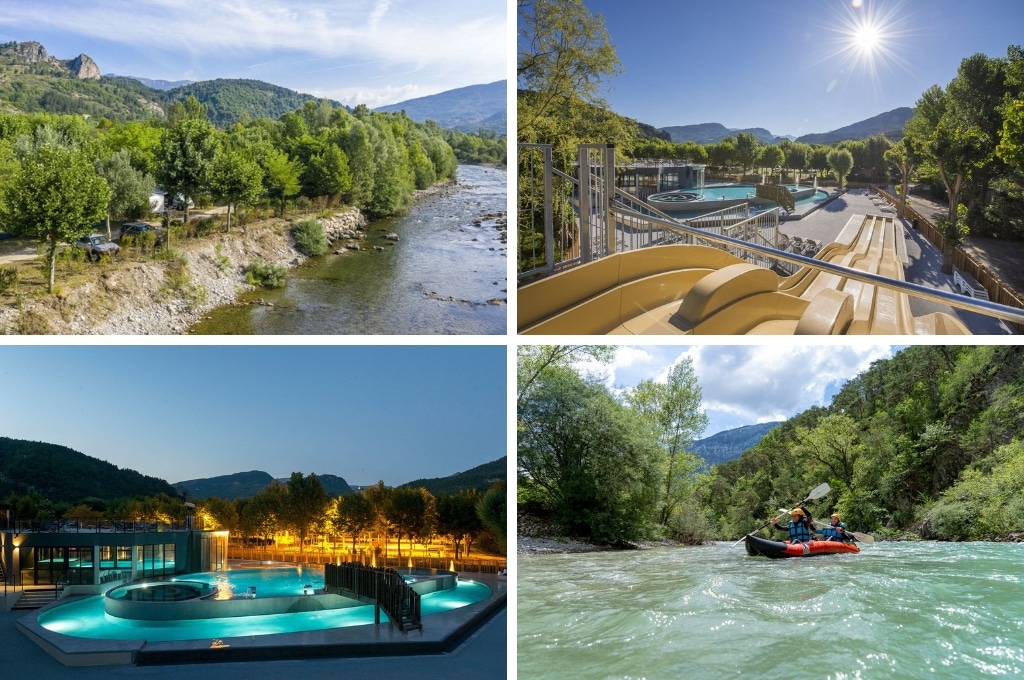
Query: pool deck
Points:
[925, 260]
[468, 642]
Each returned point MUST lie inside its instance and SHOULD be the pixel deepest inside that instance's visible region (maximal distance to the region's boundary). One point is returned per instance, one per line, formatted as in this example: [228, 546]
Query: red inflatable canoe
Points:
[763, 547]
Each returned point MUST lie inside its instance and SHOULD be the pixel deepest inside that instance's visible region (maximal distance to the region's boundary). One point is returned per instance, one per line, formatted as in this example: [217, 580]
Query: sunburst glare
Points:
[865, 40]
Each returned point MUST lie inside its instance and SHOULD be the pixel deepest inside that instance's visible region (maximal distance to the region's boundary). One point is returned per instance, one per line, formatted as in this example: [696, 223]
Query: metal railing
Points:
[952, 299]
[90, 526]
[383, 587]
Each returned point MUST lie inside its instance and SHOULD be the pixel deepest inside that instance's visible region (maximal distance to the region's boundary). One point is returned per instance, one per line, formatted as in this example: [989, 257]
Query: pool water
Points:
[86, 618]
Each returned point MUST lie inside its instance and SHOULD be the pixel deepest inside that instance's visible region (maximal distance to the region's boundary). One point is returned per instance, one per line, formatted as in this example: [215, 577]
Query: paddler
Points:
[800, 525]
[836, 530]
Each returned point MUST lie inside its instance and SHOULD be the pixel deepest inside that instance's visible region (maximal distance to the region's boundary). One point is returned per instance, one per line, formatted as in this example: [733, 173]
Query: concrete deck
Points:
[925, 260]
[469, 642]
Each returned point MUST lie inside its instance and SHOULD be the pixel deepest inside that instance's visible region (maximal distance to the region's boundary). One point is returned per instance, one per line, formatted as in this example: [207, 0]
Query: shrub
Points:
[8, 278]
[265, 274]
[310, 238]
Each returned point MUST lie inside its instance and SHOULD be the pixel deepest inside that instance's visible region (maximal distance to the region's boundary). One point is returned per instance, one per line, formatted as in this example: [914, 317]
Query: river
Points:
[904, 610]
[447, 274]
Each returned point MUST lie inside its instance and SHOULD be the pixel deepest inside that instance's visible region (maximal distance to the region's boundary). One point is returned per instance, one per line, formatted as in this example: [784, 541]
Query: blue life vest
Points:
[799, 532]
[831, 533]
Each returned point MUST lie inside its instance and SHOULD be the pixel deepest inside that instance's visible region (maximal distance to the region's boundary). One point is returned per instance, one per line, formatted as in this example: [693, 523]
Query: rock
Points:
[84, 67]
[352, 246]
[392, 237]
[379, 248]
[30, 51]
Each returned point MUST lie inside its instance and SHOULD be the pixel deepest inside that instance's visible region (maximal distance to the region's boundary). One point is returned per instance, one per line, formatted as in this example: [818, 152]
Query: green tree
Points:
[354, 515]
[841, 162]
[282, 176]
[54, 196]
[674, 411]
[748, 150]
[305, 505]
[493, 512]
[327, 173]
[129, 188]
[564, 54]
[189, 110]
[588, 458]
[457, 516]
[408, 512]
[235, 177]
[261, 516]
[185, 159]
[772, 157]
[905, 155]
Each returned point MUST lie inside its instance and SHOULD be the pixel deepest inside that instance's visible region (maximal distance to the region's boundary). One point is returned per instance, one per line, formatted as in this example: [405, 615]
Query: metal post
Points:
[609, 191]
[585, 208]
[549, 216]
[376, 598]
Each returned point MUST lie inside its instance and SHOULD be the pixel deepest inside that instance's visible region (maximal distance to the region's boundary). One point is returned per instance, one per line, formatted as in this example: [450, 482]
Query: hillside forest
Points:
[42, 482]
[964, 143]
[928, 444]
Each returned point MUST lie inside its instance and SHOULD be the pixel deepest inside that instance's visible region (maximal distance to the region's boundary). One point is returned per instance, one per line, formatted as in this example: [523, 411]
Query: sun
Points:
[867, 38]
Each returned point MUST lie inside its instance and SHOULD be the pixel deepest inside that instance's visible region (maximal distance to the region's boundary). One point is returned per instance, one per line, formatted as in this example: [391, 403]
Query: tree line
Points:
[928, 444]
[303, 507]
[60, 175]
[965, 141]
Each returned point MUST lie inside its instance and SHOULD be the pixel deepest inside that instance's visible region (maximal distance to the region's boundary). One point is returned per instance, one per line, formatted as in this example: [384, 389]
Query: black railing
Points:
[89, 526]
[381, 586]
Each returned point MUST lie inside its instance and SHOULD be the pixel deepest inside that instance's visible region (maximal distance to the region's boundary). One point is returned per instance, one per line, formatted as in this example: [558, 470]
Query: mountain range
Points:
[466, 108]
[247, 484]
[731, 444]
[889, 123]
[32, 80]
[63, 475]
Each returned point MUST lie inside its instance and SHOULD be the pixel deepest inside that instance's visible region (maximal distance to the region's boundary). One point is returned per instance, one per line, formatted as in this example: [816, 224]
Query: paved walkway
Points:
[925, 266]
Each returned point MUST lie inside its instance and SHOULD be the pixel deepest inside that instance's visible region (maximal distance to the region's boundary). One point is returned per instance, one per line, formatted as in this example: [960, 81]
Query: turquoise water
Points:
[905, 610]
[86, 618]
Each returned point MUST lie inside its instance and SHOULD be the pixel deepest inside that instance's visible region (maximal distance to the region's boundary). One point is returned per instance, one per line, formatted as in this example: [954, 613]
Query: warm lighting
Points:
[451, 566]
[217, 643]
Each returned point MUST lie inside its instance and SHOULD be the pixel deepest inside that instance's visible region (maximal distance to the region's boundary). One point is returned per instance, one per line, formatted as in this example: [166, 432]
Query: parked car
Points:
[136, 229]
[96, 245]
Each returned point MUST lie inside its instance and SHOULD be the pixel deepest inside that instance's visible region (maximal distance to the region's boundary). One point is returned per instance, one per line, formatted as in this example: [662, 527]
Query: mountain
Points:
[229, 101]
[711, 133]
[31, 80]
[889, 124]
[155, 84]
[466, 108]
[731, 444]
[481, 478]
[61, 474]
[247, 484]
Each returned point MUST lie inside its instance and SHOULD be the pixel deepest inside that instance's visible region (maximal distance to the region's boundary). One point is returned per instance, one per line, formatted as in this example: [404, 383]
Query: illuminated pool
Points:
[88, 617]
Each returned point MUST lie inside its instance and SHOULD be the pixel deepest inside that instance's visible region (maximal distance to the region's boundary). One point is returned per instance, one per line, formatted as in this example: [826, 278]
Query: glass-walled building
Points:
[102, 555]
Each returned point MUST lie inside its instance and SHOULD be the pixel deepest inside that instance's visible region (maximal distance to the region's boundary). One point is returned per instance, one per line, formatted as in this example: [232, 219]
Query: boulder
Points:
[84, 67]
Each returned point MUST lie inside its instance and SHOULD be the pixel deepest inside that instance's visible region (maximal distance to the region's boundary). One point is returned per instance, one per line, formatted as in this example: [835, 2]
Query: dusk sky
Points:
[793, 66]
[395, 413]
[372, 52]
[749, 384]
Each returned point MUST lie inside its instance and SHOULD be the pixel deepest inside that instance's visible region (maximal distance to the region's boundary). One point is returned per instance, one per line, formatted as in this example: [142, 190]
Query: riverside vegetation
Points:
[61, 174]
[928, 444]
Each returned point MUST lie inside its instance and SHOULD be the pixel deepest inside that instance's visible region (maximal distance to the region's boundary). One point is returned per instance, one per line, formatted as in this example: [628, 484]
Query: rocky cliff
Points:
[84, 67]
[31, 52]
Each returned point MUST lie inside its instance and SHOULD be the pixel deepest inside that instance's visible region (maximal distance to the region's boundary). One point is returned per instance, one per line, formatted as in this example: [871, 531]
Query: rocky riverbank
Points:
[166, 296]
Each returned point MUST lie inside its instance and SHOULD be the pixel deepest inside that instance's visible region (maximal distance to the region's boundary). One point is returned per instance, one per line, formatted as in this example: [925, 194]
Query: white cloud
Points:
[447, 44]
[743, 384]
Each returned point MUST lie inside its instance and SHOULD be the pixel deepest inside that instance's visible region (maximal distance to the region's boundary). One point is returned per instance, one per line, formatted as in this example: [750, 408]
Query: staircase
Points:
[34, 599]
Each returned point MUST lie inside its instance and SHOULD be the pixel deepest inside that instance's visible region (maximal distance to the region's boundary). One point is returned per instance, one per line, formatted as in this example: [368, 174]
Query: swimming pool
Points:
[87, 618]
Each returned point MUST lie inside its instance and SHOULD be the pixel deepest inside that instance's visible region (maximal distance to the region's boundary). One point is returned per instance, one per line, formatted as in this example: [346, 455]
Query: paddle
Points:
[866, 539]
[816, 492]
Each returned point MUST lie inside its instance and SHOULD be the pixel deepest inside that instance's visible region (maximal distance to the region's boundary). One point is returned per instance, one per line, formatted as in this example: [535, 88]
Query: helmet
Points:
[836, 515]
[796, 511]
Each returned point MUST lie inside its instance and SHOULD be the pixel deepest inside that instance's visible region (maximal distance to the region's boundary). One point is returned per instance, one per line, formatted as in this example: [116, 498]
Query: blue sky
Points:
[793, 66]
[395, 413]
[748, 384]
[372, 52]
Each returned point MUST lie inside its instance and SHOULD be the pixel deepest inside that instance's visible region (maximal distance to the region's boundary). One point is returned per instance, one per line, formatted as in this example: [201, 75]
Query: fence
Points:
[998, 291]
[481, 564]
[384, 587]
